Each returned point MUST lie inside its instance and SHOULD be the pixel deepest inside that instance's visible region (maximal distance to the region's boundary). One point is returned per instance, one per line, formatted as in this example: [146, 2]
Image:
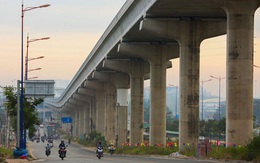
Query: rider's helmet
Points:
[62, 142]
[99, 142]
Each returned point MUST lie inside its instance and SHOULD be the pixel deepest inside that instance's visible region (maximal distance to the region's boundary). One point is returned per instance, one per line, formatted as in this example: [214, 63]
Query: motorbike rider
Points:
[111, 146]
[48, 148]
[99, 145]
[62, 144]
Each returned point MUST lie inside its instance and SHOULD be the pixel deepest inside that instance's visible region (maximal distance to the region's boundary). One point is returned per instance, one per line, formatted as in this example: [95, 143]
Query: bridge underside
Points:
[138, 45]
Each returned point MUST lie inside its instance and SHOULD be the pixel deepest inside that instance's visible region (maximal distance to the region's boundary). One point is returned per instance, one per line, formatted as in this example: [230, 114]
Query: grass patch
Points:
[6, 153]
[146, 150]
[228, 153]
[250, 152]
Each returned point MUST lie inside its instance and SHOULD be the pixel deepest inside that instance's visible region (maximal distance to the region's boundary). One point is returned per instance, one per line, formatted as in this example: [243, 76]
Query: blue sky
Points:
[74, 27]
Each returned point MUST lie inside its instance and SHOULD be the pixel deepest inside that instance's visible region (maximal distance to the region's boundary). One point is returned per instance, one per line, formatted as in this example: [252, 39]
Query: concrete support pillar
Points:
[137, 104]
[65, 126]
[74, 124]
[77, 123]
[136, 70]
[78, 107]
[101, 113]
[87, 95]
[110, 116]
[93, 114]
[240, 35]
[87, 119]
[81, 120]
[189, 34]
[158, 65]
[121, 116]
[189, 85]
[158, 55]
[84, 112]
[97, 102]
[119, 80]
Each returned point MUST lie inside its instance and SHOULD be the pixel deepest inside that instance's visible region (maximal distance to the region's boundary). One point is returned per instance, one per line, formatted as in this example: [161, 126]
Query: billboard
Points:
[39, 88]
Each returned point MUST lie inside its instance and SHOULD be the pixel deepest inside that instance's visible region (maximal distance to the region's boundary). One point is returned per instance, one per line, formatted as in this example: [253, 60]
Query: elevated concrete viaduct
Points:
[139, 43]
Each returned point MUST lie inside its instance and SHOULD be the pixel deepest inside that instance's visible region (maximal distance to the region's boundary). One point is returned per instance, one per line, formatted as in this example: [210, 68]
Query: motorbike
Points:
[99, 152]
[111, 149]
[48, 151]
[62, 152]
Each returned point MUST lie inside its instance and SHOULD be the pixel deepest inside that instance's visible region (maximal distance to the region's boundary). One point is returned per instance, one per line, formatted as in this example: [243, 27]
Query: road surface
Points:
[80, 154]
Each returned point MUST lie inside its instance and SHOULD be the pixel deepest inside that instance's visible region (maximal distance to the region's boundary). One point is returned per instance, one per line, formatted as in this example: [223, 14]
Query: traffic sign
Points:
[66, 119]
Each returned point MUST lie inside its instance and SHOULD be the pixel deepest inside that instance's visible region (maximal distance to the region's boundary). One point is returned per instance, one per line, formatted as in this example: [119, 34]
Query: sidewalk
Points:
[18, 160]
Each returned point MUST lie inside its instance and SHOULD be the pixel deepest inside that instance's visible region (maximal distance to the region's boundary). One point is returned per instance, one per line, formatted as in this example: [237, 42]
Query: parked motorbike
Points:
[99, 152]
[48, 151]
[62, 152]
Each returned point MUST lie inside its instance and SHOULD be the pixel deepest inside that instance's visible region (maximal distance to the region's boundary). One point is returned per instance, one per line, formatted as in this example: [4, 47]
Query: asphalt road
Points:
[80, 154]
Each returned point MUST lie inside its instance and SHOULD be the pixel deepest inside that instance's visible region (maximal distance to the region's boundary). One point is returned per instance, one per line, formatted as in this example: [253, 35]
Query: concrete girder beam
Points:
[172, 28]
[126, 66]
[121, 80]
[77, 103]
[242, 6]
[96, 85]
[121, 67]
[86, 91]
[82, 98]
[150, 52]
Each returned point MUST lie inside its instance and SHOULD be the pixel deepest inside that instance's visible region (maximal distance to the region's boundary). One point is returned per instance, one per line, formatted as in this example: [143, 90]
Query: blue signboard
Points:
[66, 119]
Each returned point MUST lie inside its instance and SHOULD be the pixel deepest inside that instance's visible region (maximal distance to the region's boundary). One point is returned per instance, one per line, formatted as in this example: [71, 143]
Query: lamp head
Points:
[46, 5]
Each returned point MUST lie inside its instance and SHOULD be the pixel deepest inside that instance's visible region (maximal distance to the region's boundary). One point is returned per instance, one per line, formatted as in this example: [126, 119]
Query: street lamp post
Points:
[219, 88]
[27, 53]
[22, 131]
[202, 82]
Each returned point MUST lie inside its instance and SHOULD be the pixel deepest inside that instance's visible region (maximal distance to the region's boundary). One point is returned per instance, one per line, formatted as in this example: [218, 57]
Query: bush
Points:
[92, 139]
[188, 151]
[253, 149]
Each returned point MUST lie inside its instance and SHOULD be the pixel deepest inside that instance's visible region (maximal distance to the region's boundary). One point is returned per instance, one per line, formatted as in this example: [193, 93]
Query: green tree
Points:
[30, 112]
[213, 128]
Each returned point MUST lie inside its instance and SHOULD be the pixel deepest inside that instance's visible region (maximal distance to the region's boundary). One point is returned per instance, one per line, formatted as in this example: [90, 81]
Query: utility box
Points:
[204, 148]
